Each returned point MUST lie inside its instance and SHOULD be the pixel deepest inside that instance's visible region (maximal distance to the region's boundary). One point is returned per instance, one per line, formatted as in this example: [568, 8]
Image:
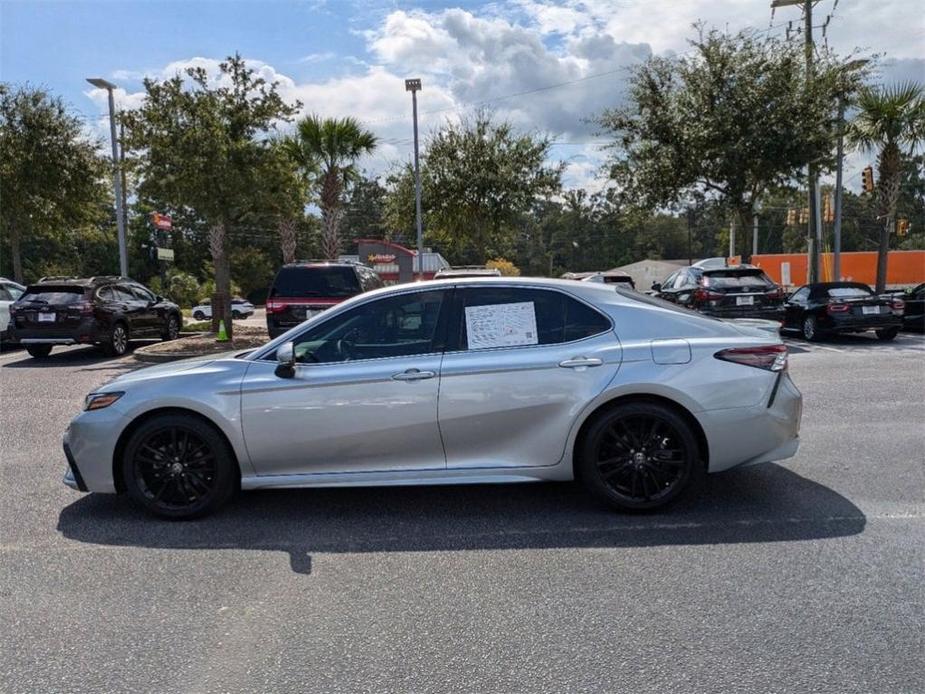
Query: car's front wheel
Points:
[178, 467]
[638, 456]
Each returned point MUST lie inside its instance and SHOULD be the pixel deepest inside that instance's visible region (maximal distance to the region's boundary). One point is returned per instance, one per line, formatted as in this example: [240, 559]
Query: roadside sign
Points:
[164, 222]
[165, 254]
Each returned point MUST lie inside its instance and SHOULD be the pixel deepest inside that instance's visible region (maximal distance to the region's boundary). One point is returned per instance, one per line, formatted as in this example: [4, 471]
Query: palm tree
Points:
[888, 119]
[326, 151]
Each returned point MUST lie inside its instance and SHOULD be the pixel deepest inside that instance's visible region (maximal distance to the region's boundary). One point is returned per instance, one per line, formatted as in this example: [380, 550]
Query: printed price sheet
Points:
[501, 325]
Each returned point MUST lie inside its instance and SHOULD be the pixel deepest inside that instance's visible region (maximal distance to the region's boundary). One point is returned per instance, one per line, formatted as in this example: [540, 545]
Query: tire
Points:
[199, 315]
[887, 334]
[810, 329]
[638, 457]
[171, 329]
[118, 341]
[38, 351]
[179, 467]
[235, 315]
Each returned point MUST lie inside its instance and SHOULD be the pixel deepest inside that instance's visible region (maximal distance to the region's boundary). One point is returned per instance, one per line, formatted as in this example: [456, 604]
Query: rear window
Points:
[729, 279]
[315, 281]
[848, 292]
[53, 296]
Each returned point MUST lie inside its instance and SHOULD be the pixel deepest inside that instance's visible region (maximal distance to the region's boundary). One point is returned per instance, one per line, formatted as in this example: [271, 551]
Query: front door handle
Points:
[580, 362]
[413, 375]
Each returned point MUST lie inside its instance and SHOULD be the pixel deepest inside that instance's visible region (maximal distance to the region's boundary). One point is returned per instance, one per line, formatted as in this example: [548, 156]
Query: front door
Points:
[522, 366]
[364, 394]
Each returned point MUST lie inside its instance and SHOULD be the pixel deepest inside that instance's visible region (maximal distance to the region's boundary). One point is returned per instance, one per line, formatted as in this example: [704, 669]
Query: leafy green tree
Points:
[364, 210]
[52, 179]
[729, 121]
[202, 145]
[888, 120]
[326, 151]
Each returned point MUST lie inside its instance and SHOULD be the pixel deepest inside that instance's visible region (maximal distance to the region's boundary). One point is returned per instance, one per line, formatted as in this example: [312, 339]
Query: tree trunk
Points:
[888, 194]
[221, 299]
[16, 252]
[287, 239]
[331, 214]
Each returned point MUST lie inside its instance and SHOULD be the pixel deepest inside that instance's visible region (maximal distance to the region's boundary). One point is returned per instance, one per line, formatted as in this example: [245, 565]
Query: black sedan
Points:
[827, 308]
[914, 312]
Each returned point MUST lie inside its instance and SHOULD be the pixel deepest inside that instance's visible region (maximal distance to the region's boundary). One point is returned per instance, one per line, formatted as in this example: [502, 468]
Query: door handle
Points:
[413, 375]
[579, 362]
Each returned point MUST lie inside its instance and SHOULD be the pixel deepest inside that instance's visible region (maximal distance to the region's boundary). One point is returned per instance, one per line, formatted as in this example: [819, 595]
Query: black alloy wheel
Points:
[639, 456]
[178, 467]
[38, 351]
[118, 341]
[172, 329]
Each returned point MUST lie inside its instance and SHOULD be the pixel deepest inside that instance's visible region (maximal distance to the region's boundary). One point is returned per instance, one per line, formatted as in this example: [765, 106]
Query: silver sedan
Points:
[450, 382]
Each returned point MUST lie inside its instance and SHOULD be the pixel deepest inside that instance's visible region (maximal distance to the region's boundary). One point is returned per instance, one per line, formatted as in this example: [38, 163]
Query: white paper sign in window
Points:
[501, 325]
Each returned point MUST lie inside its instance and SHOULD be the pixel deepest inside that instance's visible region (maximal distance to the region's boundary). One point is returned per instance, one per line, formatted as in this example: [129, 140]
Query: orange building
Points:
[790, 269]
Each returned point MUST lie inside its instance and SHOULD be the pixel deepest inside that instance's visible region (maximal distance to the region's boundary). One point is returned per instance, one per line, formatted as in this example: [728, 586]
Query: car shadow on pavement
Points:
[88, 357]
[766, 503]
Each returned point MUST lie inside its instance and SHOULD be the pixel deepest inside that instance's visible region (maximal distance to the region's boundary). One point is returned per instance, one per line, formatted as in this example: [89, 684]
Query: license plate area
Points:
[745, 301]
[870, 310]
[47, 317]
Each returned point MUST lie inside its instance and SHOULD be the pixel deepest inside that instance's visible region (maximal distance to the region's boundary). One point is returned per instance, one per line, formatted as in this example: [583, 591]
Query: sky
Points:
[549, 67]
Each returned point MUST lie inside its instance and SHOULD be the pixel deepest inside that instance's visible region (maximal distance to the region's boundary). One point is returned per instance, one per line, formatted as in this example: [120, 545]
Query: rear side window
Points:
[334, 281]
[512, 317]
[731, 279]
[53, 296]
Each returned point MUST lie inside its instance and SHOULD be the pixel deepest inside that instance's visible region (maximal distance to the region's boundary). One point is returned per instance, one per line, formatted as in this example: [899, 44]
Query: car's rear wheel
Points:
[171, 329]
[199, 315]
[178, 467]
[810, 328]
[887, 334]
[235, 315]
[638, 456]
[118, 341]
[38, 351]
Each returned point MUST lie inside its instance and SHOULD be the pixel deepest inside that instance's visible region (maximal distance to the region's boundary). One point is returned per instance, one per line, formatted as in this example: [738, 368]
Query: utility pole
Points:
[100, 83]
[813, 231]
[755, 234]
[124, 186]
[732, 238]
[413, 86]
[690, 236]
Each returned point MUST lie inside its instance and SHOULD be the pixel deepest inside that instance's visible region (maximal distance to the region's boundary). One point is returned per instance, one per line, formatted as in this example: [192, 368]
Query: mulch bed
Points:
[203, 344]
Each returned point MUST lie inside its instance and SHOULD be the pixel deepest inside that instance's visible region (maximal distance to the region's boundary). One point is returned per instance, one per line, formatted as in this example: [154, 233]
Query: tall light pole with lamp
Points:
[100, 83]
[414, 86]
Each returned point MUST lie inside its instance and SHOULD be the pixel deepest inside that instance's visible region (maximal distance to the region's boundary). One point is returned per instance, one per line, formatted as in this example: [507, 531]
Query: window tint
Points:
[559, 318]
[682, 280]
[105, 294]
[333, 281]
[668, 282]
[53, 296]
[728, 279]
[141, 293]
[123, 294]
[849, 292]
[801, 295]
[4, 294]
[394, 327]
[13, 291]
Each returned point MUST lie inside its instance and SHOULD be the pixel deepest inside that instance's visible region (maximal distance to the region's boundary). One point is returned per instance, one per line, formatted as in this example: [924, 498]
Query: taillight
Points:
[767, 357]
[275, 306]
[838, 308]
[84, 307]
[897, 305]
[775, 293]
[702, 294]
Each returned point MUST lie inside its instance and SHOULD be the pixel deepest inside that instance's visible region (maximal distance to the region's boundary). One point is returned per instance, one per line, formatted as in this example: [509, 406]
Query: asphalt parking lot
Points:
[804, 576]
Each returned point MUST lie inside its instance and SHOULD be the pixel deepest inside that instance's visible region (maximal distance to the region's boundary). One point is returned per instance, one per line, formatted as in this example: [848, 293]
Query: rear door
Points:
[524, 362]
[50, 311]
[747, 289]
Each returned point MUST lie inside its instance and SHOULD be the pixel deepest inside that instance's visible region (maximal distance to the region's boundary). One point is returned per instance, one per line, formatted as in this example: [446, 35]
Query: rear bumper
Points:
[768, 313]
[86, 332]
[763, 433]
[853, 324]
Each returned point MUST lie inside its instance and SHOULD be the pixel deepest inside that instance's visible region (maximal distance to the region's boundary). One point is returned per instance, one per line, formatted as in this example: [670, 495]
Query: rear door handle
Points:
[413, 375]
[580, 362]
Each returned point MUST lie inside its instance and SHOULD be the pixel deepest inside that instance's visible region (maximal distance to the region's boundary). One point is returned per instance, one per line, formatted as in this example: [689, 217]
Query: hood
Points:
[171, 368]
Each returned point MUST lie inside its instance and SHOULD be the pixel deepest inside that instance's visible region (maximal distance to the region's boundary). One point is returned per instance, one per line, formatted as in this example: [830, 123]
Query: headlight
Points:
[97, 401]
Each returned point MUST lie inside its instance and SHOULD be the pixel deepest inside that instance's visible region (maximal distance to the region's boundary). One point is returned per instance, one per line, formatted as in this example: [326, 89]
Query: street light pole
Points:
[413, 86]
[100, 83]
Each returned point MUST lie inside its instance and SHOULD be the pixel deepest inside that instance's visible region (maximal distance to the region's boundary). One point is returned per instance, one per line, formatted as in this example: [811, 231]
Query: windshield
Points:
[316, 281]
[56, 296]
[848, 292]
[728, 279]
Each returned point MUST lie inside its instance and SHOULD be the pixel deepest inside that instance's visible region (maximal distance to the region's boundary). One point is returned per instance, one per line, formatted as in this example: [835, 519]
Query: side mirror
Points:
[285, 357]
[656, 286]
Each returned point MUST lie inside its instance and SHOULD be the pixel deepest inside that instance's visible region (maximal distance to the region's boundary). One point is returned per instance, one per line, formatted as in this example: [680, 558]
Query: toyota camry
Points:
[463, 381]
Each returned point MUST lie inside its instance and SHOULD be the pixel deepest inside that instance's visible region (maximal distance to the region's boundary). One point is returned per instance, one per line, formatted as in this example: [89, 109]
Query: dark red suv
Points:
[304, 288]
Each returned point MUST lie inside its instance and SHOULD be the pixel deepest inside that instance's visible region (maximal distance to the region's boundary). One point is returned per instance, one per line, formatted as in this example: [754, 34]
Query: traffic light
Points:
[902, 227]
[828, 208]
[792, 217]
[804, 215]
[867, 179]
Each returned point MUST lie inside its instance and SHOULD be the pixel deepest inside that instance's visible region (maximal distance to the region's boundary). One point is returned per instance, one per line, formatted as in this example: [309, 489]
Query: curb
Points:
[149, 355]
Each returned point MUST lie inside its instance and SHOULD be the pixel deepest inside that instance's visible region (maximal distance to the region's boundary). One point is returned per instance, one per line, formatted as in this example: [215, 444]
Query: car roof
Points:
[60, 280]
[322, 263]
[732, 268]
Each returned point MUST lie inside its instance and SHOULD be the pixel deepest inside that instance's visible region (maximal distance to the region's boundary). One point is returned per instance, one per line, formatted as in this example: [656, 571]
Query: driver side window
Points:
[396, 326]
[800, 296]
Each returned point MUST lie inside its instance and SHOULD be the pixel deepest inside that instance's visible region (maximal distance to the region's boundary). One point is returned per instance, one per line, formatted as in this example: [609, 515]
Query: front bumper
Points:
[89, 447]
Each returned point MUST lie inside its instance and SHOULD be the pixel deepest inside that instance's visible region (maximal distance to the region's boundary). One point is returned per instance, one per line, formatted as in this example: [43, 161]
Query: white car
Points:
[10, 291]
[240, 308]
